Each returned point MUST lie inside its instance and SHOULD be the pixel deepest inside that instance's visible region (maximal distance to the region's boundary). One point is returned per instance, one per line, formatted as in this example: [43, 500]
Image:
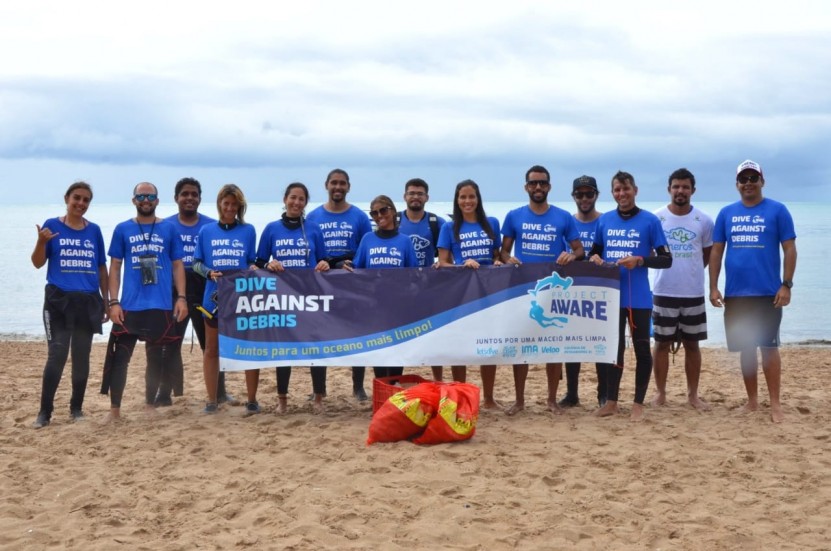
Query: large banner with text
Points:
[534, 313]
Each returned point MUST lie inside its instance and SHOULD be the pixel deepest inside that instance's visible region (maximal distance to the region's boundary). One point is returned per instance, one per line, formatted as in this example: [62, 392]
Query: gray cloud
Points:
[491, 93]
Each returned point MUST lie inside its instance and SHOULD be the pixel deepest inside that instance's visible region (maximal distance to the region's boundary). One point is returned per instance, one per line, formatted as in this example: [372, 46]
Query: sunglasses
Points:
[538, 183]
[753, 178]
[584, 194]
[145, 196]
[379, 212]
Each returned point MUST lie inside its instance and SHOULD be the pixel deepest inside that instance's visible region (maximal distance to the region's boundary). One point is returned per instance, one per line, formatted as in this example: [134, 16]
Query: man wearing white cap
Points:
[752, 230]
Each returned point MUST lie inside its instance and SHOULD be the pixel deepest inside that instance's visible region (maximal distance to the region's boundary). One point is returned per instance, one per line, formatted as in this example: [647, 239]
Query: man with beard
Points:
[679, 313]
[188, 196]
[151, 253]
[546, 244]
[750, 232]
[585, 194]
[342, 225]
[644, 246]
[423, 228]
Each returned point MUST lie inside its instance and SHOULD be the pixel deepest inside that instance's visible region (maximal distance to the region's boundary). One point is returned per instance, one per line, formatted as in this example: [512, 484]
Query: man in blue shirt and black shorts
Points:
[751, 231]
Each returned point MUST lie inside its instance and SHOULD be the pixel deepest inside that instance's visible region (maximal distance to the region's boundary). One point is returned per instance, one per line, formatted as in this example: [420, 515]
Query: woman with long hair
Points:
[287, 244]
[230, 228]
[73, 307]
[471, 240]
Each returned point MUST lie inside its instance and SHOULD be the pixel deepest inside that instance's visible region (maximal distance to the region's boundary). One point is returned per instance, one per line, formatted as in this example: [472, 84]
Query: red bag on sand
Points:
[404, 414]
[457, 415]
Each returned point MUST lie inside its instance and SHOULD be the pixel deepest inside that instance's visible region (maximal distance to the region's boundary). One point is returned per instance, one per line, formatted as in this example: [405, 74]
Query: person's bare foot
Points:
[750, 407]
[282, 404]
[776, 413]
[637, 414]
[317, 404]
[150, 410]
[698, 403]
[608, 409]
[660, 399]
[554, 407]
[515, 408]
[491, 404]
[114, 416]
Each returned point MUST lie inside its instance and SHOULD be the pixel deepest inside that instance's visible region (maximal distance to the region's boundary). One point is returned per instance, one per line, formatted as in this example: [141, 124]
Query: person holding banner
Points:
[73, 307]
[585, 194]
[627, 237]
[541, 232]
[386, 247]
[470, 240]
[188, 221]
[342, 225]
[423, 228]
[292, 243]
[228, 245]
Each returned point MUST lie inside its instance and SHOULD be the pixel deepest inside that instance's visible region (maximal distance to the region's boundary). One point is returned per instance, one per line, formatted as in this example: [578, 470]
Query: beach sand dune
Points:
[184, 480]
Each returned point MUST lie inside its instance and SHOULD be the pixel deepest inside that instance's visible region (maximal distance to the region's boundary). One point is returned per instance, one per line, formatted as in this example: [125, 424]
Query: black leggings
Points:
[318, 379]
[159, 358]
[643, 355]
[573, 381]
[173, 379]
[60, 340]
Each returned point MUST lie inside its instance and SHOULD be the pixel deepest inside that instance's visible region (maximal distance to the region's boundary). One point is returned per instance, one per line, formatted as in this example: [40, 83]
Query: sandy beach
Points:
[720, 480]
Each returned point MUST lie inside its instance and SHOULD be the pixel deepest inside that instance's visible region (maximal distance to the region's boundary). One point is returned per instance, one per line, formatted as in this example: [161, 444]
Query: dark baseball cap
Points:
[585, 181]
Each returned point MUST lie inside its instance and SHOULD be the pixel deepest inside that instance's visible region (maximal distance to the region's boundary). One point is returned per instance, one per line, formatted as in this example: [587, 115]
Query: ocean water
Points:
[805, 320]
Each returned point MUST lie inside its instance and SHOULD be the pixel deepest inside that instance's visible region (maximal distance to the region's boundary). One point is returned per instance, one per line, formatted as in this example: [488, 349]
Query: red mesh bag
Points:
[404, 414]
[457, 414]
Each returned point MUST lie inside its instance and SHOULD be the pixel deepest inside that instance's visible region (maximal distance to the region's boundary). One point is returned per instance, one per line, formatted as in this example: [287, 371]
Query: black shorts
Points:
[751, 322]
[685, 318]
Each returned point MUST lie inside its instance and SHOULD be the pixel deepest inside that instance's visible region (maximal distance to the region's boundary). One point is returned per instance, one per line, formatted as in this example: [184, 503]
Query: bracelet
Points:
[113, 302]
[182, 297]
[640, 261]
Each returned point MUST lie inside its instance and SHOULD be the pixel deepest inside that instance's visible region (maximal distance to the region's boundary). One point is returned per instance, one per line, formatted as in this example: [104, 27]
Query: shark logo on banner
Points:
[543, 292]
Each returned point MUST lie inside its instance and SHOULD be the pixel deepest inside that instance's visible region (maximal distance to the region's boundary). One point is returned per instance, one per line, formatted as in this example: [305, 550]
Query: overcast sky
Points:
[262, 94]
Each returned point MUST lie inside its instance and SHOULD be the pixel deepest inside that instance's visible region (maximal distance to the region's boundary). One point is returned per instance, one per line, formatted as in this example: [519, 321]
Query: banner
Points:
[533, 313]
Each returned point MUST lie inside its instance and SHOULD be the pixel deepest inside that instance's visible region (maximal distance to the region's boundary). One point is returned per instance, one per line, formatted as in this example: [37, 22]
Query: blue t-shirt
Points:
[752, 236]
[188, 235]
[473, 241]
[130, 241]
[342, 231]
[421, 236]
[586, 232]
[385, 252]
[300, 247]
[224, 251]
[74, 256]
[539, 237]
[637, 236]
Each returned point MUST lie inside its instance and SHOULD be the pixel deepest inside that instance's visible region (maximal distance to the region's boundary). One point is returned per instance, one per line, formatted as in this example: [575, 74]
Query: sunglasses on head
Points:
[145, 196]
[584, 194]
[752, 178]
[379, 212]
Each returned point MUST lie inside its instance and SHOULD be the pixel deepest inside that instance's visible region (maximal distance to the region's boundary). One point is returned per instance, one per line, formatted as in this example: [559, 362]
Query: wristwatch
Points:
[788, 283]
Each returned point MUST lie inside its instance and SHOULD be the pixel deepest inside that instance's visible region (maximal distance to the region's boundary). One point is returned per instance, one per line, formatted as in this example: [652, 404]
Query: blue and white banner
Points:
[534, 313]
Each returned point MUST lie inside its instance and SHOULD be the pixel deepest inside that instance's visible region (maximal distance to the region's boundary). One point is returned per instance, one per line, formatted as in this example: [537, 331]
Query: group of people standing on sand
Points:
[163, 274]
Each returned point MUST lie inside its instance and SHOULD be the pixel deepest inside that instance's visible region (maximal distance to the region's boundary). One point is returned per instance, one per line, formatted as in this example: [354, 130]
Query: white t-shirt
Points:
[687, 236]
